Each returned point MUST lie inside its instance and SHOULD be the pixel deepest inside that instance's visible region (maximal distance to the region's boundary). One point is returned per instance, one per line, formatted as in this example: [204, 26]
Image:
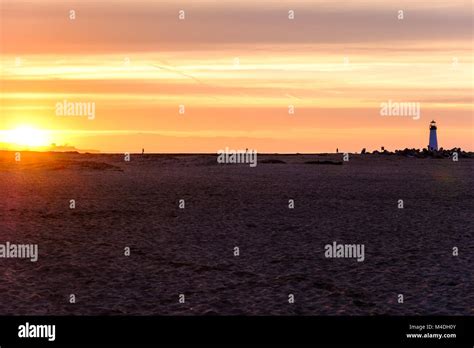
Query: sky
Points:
[238, 74]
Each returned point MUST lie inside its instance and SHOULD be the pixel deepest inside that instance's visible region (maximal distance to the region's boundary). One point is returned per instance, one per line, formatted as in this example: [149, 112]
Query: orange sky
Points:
[237, 67]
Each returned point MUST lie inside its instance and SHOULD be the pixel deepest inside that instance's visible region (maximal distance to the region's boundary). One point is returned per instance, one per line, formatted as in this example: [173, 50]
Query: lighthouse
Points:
[433, 146]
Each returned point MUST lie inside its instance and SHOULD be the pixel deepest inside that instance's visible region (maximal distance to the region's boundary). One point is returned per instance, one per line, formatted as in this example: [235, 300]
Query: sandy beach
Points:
[190, 251]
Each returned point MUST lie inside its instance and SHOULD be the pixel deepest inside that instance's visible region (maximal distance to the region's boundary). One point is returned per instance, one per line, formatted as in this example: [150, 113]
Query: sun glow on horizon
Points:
[26, 136]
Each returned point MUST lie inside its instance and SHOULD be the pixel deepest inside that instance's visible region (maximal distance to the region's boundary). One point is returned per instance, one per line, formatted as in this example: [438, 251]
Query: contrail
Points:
[185, 75]
[179, 73]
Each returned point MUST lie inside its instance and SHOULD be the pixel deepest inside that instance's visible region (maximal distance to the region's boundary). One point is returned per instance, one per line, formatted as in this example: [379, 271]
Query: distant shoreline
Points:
[375, 152]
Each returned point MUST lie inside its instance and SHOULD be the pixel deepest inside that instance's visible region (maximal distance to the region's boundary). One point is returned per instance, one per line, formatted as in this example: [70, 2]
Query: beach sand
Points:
[190, 251]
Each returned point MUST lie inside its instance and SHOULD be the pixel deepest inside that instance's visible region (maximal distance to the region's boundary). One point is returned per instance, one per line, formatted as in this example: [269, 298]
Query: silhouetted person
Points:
[143, 151]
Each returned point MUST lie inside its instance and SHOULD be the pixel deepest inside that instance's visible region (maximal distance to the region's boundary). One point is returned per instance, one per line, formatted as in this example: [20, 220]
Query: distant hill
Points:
[52, 147]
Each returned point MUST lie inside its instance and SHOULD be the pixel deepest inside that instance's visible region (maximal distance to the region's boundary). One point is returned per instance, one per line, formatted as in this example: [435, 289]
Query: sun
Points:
[26, 136]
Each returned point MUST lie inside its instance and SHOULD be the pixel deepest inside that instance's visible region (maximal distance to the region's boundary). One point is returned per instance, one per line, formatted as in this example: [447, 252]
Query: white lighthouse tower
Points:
[433, 146]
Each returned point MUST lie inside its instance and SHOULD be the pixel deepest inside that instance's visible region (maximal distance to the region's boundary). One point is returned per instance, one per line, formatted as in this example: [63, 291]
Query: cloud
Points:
[128, 26]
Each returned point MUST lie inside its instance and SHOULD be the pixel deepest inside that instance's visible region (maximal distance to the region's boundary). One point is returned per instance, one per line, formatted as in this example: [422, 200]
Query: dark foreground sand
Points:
[407, 251]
